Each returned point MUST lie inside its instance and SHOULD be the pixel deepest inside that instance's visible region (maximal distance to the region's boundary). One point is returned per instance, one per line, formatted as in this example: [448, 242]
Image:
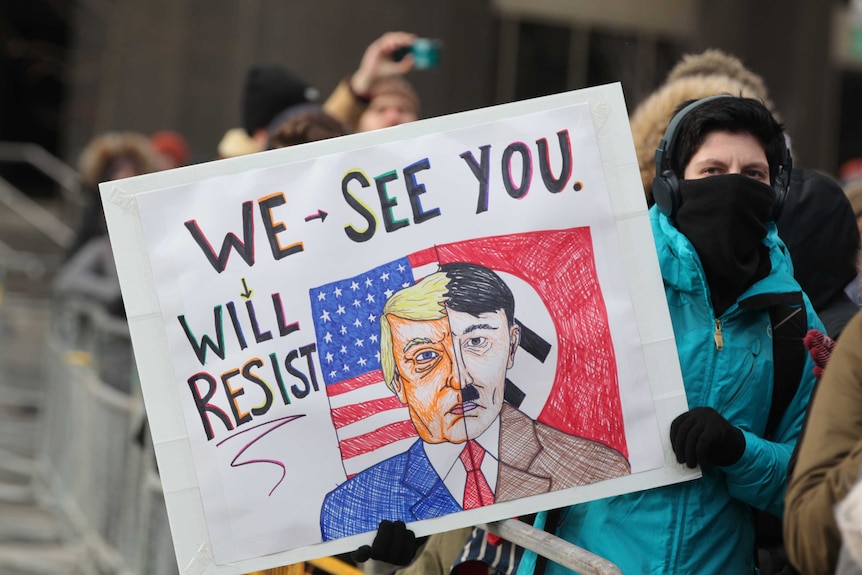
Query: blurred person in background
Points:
[267, 91]
[819, 228]
[302, 124]
[236, 142]
[850, 175]
[271, 90]
[392, 101]
[90, 274]
[379, 73]
[109, 156]
[850, 171]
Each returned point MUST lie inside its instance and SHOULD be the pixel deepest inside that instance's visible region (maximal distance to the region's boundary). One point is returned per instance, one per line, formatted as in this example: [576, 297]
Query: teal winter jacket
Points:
[705, 526]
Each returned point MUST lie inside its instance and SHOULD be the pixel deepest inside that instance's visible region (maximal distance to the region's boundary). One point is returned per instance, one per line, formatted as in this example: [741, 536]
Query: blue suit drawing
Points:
[533, 458]
[417, 493]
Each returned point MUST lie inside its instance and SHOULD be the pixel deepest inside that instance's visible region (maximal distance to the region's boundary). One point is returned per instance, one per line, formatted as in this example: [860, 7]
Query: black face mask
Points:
[724, 217]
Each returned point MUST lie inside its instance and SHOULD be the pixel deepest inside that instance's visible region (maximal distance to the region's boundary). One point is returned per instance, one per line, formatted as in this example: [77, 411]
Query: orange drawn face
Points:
[451, 372]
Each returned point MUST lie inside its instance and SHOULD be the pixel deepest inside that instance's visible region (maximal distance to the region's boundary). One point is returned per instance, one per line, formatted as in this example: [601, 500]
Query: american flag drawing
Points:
[370, 421]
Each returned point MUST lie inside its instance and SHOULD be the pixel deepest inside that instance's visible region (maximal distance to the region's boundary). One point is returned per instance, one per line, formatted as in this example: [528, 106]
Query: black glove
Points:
[394, 543]
[702, 436]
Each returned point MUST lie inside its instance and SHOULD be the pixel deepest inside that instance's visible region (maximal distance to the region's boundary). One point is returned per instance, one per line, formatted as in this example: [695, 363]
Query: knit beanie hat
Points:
[172, 144]
[850, 170]
[268, 90]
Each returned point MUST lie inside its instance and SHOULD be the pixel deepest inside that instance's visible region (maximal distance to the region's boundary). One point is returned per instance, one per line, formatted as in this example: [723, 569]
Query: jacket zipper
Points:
[719, 339]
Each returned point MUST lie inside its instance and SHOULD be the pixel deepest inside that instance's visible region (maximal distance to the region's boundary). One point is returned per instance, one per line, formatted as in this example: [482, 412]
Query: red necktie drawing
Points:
[477, 492]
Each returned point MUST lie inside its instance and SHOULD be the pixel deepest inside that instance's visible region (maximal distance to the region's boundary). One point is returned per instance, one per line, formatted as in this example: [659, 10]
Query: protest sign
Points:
[449, 322]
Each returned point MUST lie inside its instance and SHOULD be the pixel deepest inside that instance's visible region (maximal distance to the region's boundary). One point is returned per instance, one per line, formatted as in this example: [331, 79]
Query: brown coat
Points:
[344, 106]
[830, 454]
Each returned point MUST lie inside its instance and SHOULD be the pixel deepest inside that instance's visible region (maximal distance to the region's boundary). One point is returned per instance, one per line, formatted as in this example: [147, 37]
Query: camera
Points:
[425, 51]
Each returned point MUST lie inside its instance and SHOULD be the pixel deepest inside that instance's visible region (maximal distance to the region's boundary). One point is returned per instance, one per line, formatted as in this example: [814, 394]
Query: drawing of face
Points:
[451, 371]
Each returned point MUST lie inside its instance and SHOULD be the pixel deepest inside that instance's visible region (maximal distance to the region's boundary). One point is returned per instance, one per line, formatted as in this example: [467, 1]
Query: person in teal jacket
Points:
[722, 175]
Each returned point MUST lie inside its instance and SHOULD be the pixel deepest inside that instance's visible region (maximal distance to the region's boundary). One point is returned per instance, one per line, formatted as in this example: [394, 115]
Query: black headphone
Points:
[665, 185]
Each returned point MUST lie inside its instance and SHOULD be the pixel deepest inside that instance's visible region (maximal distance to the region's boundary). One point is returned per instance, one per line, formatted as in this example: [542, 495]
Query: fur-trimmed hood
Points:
[695, 76]
[103, 152]
[717, 63]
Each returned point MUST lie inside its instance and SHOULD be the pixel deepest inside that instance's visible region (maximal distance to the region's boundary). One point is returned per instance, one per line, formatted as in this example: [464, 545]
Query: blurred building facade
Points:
[179, 64]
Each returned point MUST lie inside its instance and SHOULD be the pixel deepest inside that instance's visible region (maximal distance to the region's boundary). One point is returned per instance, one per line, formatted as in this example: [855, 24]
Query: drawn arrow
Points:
[246, 293]
[320, 214]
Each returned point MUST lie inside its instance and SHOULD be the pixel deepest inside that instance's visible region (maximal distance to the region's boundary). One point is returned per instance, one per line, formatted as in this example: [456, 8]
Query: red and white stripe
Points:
[371, 422]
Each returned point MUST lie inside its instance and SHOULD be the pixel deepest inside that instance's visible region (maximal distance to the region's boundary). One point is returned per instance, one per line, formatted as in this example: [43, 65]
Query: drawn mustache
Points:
[469, 393]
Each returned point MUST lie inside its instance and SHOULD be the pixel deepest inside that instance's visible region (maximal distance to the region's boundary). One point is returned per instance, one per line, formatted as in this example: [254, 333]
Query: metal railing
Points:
[34, 214]
[58, 230]
[555, 549]
[39, 158]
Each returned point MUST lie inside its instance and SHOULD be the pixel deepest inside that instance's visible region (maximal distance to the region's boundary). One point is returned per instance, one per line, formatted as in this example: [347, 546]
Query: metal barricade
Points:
[93, 462]
[88, 467]
[151, 551]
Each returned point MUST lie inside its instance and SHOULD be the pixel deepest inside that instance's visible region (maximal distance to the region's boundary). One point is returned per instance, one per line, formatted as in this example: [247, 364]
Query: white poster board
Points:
[255, 291]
